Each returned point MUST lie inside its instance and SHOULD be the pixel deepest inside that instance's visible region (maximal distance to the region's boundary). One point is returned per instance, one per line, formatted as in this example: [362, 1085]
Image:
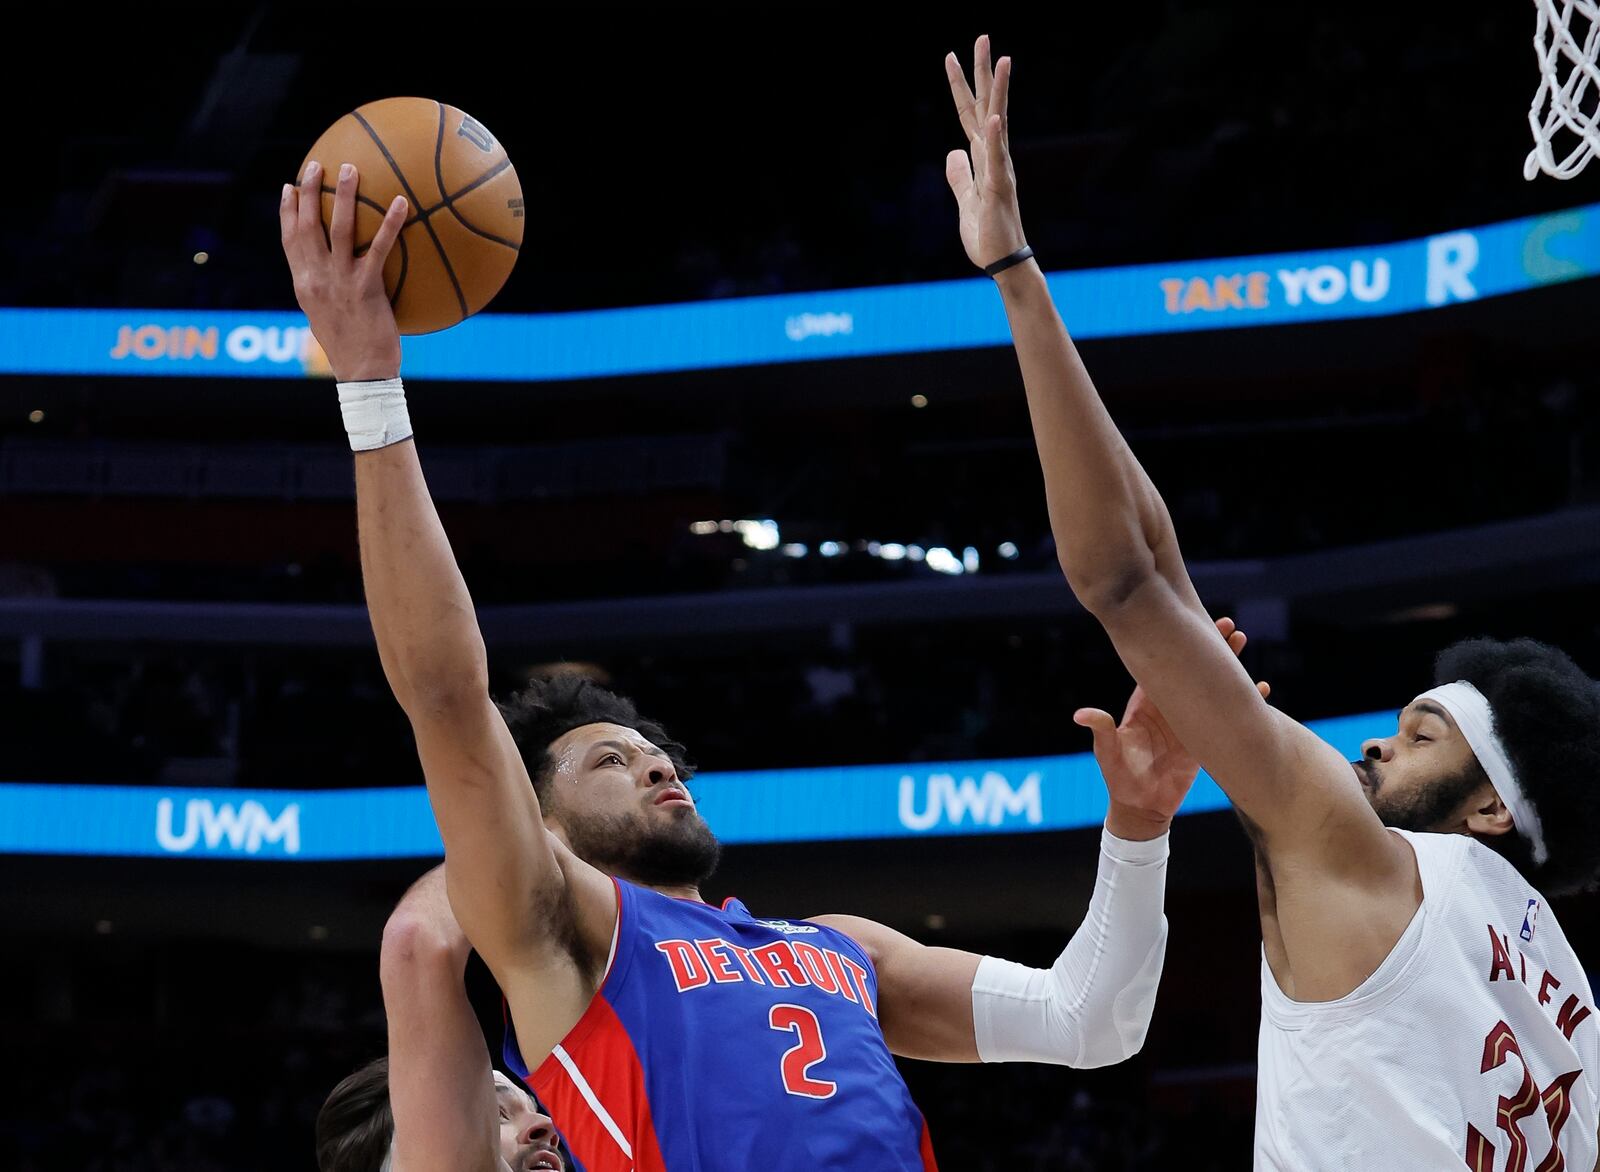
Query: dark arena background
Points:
[720, 443]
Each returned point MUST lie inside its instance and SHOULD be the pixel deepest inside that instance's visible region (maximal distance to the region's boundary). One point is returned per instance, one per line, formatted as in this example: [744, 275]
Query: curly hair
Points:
[1547, 714]
[552, 706]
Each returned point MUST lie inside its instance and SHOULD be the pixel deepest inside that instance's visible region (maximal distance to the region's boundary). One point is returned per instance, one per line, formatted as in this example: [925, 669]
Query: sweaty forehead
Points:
[575, 742]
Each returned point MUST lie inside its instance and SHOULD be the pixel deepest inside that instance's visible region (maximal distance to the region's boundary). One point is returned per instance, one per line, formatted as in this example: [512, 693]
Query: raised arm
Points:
[1120, 554]
[518, 894]
[440, 1080]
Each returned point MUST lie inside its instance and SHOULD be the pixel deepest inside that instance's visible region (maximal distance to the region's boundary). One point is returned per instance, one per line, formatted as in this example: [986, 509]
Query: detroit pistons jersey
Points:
[719, 1042]
[1474, 1044]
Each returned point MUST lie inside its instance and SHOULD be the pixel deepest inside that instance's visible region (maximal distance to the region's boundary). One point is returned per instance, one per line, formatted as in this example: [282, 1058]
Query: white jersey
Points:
[1474, 1044]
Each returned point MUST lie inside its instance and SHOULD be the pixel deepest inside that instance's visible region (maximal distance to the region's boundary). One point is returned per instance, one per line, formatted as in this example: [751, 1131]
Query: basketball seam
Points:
[444, 257]
[371, 203]
[405, 266]
[438, 178]
[471, 187]
[449, 204]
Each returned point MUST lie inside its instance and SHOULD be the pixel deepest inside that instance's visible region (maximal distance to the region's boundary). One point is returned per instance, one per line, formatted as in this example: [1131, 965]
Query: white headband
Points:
[1473, 716]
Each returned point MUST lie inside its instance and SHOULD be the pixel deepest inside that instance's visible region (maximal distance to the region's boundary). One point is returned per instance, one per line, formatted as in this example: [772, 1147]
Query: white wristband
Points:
[374, 413]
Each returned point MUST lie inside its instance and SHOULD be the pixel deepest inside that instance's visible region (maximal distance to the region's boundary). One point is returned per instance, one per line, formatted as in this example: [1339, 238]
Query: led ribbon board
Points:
[1232, 292]
[789, 805]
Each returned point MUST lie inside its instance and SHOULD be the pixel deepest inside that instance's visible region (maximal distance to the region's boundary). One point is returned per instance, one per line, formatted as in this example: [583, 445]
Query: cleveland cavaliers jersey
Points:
[722, 1043]
[1474, 1044]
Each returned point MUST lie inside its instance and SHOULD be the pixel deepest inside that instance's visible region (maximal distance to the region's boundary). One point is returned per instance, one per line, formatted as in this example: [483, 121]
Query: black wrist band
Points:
[1007, 262]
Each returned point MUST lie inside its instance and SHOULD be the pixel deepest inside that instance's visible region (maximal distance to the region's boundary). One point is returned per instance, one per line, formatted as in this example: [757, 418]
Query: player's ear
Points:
[1487, 815]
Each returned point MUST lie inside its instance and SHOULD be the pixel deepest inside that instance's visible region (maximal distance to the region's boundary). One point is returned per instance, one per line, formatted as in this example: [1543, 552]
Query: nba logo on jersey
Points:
[787, 928]
[1528, 920]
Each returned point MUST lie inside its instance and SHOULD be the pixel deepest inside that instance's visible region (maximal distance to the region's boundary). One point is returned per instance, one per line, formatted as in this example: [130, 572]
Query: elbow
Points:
[414, 946]
[1108, 586]
[1120, 1032]
[1114, 1029]
[1121, 555]
[438, 672]
[1117, 1046]
[444, 695]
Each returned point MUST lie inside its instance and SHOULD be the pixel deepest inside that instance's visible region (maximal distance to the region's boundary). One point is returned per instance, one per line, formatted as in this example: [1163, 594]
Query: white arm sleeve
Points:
[1092, 1007]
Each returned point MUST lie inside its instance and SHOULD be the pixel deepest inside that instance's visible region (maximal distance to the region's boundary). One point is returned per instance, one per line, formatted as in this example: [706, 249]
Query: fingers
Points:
[982, 77]
[1107, 751]
[1095, 720]
[288, 217]
[388, 232]
[958, 173]
[994, 151]
[342, 231]
[310, 202]
[966, 104]
[1236, 643]
[1001, 93]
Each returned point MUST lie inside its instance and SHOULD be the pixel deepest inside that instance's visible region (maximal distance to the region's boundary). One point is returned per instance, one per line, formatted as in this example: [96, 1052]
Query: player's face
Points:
[1423, 778]
[619, 803]
[527, 1137]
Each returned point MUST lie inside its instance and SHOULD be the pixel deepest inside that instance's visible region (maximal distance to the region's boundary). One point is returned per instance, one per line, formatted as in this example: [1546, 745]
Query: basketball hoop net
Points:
[1568, 103]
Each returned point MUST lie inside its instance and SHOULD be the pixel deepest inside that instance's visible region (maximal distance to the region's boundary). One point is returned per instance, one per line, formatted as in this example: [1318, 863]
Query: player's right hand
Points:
[342, 294]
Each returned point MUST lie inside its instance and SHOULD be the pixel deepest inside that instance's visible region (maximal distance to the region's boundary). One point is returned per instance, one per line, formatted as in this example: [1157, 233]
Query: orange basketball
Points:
[464, 224]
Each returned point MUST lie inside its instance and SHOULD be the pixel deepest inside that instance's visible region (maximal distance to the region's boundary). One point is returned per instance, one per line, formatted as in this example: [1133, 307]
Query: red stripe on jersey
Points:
[929, 1164]
[599, 1047]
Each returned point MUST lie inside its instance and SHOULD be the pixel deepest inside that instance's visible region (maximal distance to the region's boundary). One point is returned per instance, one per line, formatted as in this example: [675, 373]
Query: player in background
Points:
[432, 1103]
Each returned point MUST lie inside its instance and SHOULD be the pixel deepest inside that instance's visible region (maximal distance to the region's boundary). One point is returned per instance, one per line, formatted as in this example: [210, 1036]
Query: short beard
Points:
[682, 854]
[1427, 809]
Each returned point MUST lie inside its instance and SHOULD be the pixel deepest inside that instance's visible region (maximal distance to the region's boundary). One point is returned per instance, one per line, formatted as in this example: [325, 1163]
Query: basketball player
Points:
[1421, 1005]
[432, 1104]
[662, 1031]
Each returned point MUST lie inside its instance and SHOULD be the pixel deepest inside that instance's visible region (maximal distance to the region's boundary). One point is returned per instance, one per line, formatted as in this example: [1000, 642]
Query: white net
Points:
[1565, 116]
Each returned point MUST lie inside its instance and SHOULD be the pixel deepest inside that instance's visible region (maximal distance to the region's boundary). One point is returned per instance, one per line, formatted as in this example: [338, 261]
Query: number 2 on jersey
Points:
[807, 1051]
[1498, 1047]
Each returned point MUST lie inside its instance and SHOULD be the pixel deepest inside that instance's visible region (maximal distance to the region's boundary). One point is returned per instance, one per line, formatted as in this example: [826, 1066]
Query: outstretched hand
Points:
[1147, 771]
[981, 176]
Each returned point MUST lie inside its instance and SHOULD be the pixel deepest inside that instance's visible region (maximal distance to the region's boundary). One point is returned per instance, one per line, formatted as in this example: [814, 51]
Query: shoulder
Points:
[878, 942]
[1440, 857]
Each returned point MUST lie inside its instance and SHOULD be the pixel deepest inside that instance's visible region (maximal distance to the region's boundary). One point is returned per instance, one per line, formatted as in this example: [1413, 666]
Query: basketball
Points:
[464, 222]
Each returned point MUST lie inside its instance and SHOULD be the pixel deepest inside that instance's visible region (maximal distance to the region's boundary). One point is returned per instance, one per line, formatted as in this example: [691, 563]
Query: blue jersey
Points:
[722, 1043]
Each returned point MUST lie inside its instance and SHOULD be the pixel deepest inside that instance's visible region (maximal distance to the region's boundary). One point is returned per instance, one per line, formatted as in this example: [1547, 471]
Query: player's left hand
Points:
[981, 176]
[1147, 771]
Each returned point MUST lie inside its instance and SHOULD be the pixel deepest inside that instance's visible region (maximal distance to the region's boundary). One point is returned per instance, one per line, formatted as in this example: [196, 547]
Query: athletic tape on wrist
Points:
[374, 413]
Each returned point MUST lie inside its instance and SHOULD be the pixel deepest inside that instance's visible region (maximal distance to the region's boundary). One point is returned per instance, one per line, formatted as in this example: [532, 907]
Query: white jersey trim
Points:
[1389, 979]
[593, 1100]
[616, 937]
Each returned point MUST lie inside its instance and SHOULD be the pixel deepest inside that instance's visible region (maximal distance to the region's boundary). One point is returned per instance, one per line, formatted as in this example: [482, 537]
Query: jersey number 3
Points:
[1500, 1045]
[807, 1051]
